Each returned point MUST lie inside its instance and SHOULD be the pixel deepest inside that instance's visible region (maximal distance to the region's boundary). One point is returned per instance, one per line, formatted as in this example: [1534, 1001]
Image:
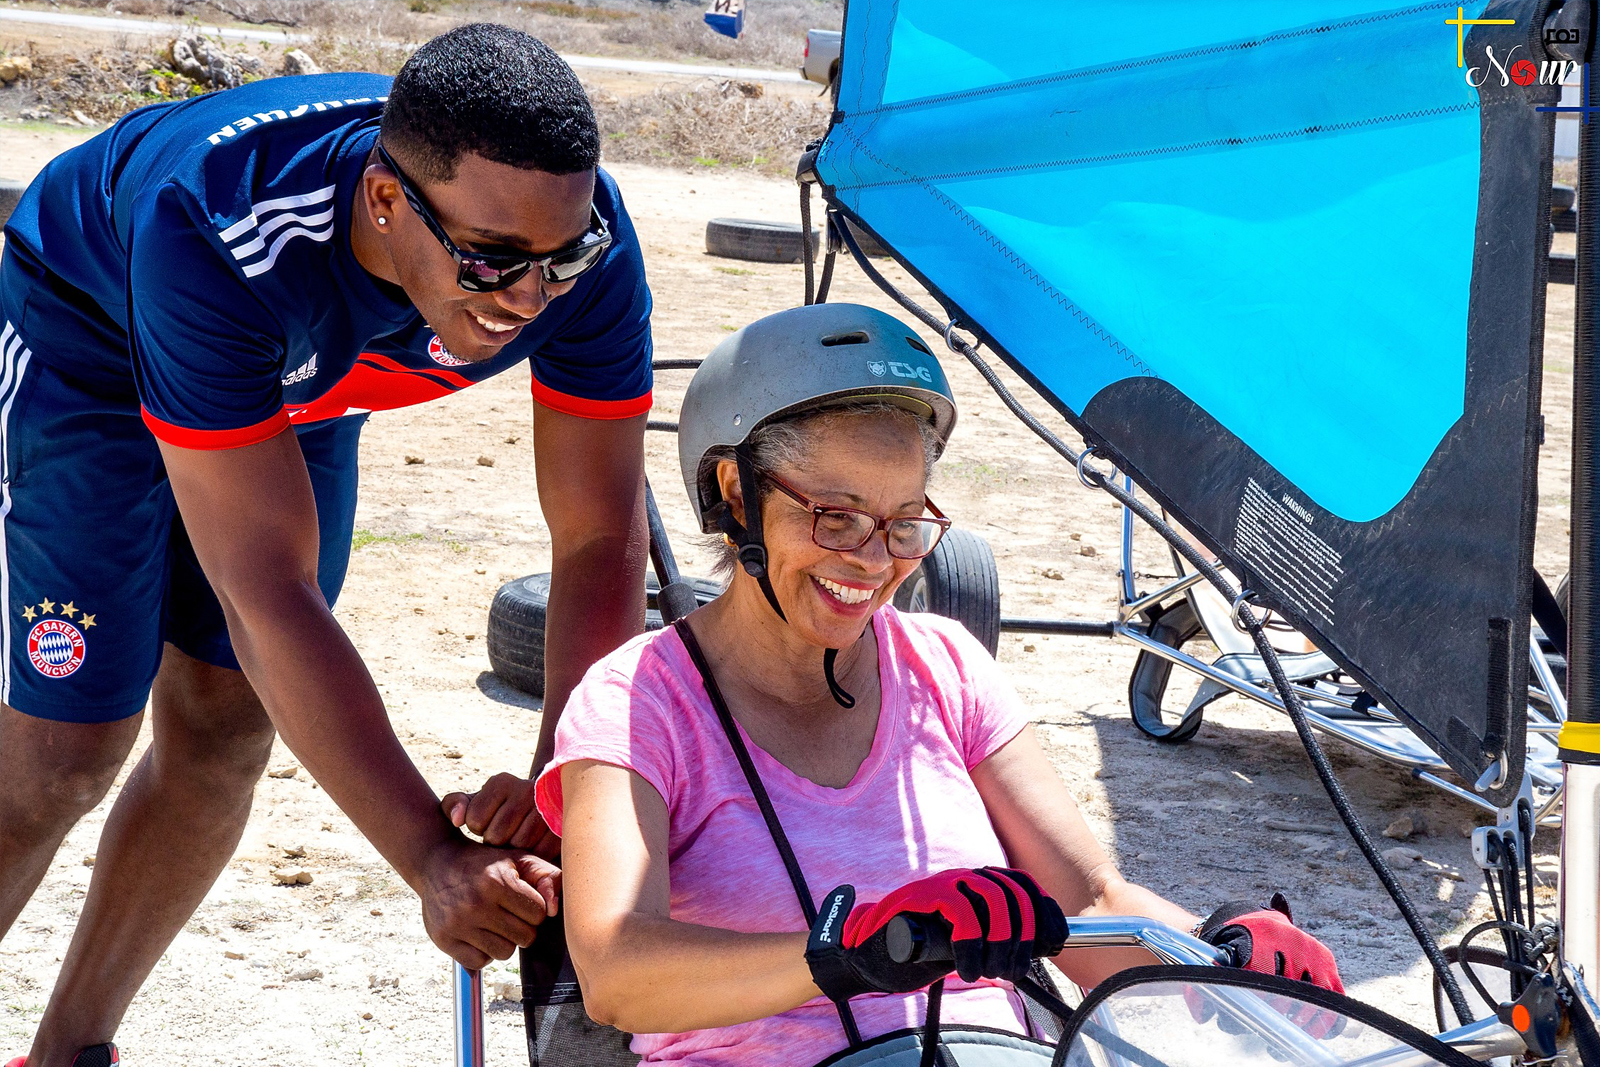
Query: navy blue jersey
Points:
[195, 258]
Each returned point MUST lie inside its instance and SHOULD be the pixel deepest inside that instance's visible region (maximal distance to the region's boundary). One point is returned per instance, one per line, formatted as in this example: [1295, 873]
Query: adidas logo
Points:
[306, 370]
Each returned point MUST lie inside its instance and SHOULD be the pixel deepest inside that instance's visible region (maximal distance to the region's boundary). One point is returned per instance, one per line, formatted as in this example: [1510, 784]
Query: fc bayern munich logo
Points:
[55, 647]
[441, 355]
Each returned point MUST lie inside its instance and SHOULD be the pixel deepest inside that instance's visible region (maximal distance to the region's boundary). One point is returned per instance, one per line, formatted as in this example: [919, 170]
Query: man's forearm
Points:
[327, 709]
[596, 604]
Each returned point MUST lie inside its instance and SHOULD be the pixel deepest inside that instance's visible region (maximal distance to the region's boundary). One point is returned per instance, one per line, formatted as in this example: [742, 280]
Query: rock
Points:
[232, 955]
[367, 1015]
[485, 461]
[376, 911]
[1076, 536]
[1342, 854]
[294, 852]
[512, 439]
[287, 771]
[83, 120]
[14, 67]
[206, 63]
[1030, 648]
[413, 460]
[1087, 550]
[1052, 573]
[327, 826]
[452, 753]
[379, 982]
[296, 61]
[1401, 857]
[306, 975]
[511, 990]
[1401, 829]
[1466, 828]
[292, 876]
[88, 861]
[38, 114]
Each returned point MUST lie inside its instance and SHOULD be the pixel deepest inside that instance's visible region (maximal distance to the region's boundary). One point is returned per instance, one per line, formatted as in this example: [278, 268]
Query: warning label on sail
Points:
[1276, 539]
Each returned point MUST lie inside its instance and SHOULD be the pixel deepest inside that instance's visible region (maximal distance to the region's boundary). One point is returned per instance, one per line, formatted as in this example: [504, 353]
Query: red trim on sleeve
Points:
[591, 409]
[216, 440]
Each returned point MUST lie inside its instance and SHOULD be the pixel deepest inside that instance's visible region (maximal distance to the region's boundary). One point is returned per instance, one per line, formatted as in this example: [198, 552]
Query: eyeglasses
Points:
[478, 273]
[847, 529]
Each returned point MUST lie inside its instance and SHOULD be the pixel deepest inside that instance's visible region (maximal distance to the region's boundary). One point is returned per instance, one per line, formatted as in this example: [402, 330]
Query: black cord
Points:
[807, 250]
[1291, 700]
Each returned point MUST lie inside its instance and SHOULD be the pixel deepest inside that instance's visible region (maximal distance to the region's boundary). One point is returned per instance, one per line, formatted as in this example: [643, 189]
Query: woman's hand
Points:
[1267, 941]
[999, 920]
[503, 813]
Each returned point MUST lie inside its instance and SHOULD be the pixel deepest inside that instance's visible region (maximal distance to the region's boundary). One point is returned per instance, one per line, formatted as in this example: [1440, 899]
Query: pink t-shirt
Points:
[911, 810]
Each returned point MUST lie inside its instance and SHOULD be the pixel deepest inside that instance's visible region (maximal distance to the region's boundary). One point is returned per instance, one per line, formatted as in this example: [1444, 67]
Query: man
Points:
[172, 294]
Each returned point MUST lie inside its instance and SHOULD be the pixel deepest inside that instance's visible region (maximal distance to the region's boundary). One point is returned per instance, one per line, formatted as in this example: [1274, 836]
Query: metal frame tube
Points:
[1580, 870]
[468, 1000]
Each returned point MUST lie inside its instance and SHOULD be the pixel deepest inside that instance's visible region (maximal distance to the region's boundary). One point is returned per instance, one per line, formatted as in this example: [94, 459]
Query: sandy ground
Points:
[340, 971]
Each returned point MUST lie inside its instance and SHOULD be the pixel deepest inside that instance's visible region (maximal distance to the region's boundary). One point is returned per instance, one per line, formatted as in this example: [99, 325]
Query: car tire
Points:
[517, 625]
[960, 581]
[757, 241]
[10, 193]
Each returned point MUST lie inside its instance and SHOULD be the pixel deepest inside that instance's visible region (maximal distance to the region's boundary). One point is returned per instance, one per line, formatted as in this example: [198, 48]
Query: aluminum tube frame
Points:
[1580, 871]
[467, 988]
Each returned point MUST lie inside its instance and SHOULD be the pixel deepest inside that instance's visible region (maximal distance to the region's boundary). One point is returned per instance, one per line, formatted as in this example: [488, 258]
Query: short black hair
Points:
[492, 91]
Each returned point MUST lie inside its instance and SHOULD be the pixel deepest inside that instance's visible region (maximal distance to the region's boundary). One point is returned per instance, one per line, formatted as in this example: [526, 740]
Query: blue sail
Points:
[1282, 259]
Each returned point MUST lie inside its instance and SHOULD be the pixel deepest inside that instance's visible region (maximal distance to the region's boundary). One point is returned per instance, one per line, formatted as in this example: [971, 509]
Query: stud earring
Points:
[382, 221]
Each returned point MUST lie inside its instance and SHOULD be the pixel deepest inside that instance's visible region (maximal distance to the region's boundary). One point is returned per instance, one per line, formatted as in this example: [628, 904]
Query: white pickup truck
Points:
[822, 59]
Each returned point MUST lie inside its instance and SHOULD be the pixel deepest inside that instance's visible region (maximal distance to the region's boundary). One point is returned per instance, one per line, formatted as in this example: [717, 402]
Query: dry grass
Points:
[673, 30]
[710, 124]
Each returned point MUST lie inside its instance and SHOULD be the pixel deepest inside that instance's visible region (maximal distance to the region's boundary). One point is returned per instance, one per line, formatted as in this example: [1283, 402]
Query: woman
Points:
[893, 755]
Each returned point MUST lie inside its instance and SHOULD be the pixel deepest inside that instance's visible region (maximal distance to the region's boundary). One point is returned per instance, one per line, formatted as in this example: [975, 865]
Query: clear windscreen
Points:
[1173, 1023]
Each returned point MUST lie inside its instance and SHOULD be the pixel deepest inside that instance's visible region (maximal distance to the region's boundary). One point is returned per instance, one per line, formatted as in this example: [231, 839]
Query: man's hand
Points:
[502, 813]
[481, 903]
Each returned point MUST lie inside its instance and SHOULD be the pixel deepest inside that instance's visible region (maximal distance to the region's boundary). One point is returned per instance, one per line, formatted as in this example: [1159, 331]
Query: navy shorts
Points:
[96, 570]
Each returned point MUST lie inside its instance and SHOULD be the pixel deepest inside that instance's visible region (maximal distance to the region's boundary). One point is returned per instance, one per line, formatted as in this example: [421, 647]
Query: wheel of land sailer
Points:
[960, 581]
[517, 622]
[10, 193]
[758, 241]
[1147, 685]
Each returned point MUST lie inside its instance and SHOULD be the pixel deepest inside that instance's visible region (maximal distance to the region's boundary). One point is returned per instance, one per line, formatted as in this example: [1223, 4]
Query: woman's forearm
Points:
[1118, 896]
[655, 975]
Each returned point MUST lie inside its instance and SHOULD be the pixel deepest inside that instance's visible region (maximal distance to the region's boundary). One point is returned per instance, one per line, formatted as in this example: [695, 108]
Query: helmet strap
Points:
[746, 537]
[841, 696]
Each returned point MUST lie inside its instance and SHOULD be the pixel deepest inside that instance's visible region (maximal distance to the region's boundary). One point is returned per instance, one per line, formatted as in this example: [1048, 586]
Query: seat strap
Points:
[741, 752]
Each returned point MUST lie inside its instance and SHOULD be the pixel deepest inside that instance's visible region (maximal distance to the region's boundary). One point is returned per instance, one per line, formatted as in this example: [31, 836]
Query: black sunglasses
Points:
[479, 273]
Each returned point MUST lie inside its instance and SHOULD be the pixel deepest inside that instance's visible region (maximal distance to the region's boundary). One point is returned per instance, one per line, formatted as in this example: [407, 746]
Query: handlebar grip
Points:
[918, 939]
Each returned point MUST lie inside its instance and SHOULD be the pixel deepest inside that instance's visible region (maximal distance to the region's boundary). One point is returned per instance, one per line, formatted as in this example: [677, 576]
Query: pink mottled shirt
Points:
[910, 810]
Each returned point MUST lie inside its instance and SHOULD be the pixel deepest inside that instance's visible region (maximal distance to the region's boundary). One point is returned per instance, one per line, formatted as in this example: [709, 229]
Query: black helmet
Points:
[802, 359]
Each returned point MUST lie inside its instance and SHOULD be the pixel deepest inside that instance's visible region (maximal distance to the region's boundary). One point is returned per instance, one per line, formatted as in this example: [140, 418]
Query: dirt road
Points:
[339, 971]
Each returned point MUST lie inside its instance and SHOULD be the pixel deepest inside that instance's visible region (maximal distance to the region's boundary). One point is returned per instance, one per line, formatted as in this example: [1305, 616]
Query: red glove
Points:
[999, 920]
[1266, 940]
